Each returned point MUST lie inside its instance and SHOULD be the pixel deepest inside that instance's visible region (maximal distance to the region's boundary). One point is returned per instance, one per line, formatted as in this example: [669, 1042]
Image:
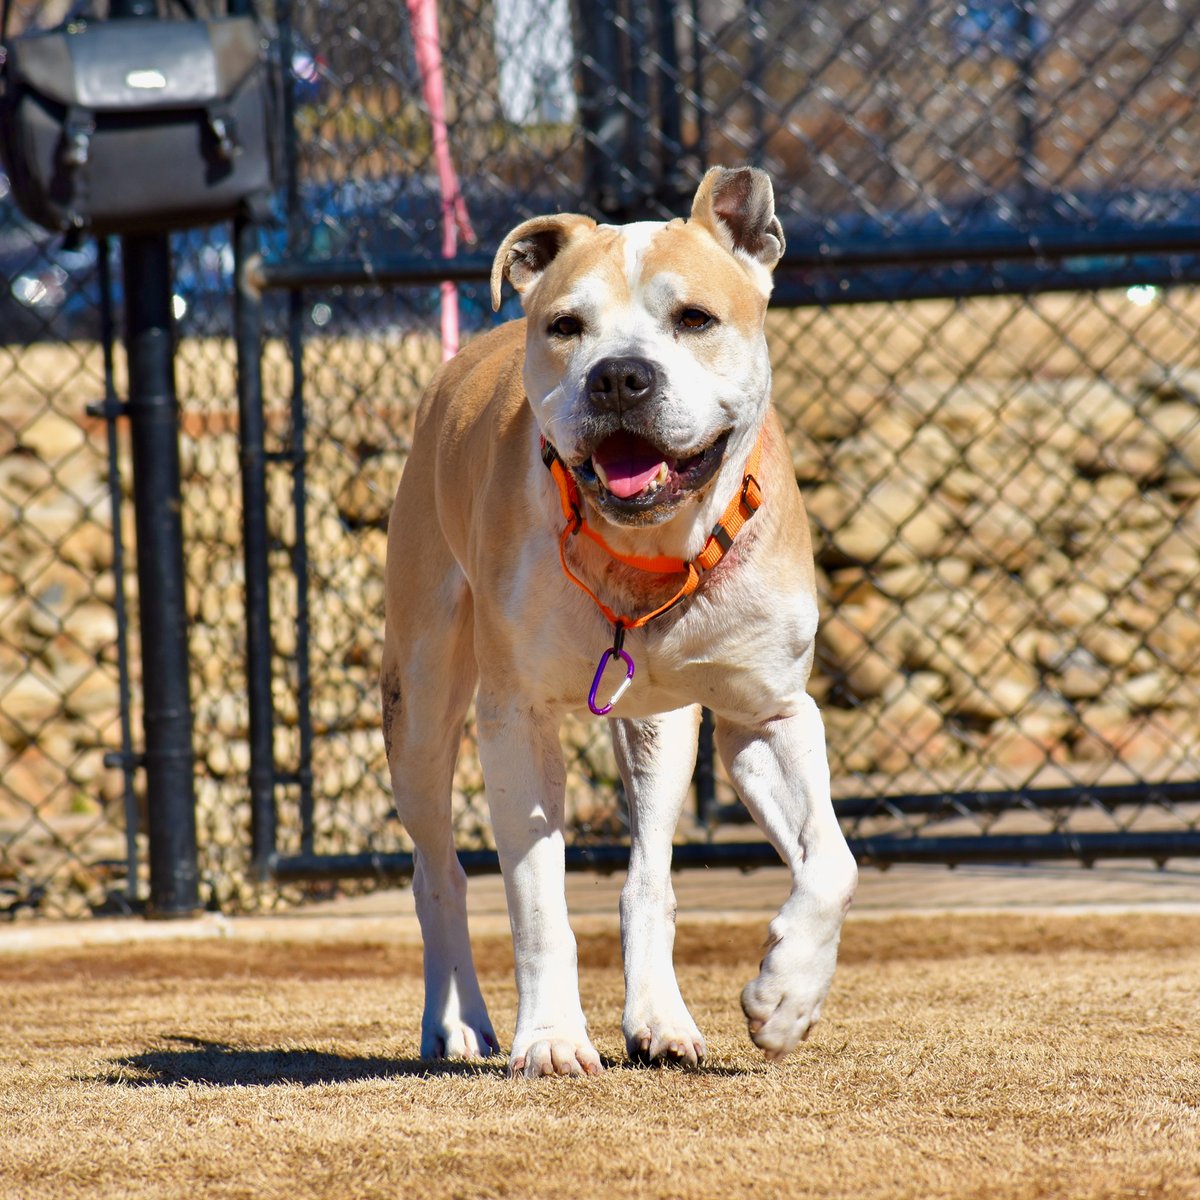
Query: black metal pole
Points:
[248, 326]
[112, 409]
[295, 452]
[700, 148]
[154, 437]
[704, 775]
[758, 63]
[601, 115]
[1085, 848]
[167, 715]
[637, 159]
[675, 187]
[1026, 98]
[166, 698]
[248, 319]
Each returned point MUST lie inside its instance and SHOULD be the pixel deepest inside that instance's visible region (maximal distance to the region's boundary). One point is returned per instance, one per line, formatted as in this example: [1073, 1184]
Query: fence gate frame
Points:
[828, 272]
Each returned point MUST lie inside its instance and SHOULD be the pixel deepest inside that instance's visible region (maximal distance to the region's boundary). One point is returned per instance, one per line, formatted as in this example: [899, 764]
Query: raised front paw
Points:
[778, 1021]
[553, 1052]
[784, 1002]
[464, 1039]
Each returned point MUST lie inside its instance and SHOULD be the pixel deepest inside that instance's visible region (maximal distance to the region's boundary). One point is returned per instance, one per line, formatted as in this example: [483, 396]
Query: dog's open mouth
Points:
[631, 475]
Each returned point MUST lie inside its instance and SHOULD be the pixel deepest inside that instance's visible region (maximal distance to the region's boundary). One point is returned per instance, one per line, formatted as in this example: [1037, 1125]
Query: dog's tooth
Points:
[601, 473]
[664, 473]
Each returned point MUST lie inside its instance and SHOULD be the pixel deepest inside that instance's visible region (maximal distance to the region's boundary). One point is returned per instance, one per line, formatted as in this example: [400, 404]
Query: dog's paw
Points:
[660, 1043]
[778, 1021]
[552, 1052]
[784, 1002]
[459, 1039]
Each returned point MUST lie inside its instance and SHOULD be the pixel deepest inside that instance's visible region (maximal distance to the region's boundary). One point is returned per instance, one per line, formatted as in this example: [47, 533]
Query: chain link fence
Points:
[984, 346]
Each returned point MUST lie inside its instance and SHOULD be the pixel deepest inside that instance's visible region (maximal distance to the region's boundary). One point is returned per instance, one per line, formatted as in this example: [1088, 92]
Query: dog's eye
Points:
[694, 318]
[566, 327]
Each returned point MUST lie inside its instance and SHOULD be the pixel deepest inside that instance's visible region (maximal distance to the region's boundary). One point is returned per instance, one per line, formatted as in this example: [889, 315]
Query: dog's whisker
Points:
[552, 425]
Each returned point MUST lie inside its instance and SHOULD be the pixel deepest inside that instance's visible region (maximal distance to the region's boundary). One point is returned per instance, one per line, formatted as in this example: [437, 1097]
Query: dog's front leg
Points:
[523, 774]
[656, 757]
[782, 773]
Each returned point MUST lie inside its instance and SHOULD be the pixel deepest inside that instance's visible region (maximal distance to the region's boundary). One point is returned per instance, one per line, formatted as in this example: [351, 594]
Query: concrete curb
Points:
[401, 928]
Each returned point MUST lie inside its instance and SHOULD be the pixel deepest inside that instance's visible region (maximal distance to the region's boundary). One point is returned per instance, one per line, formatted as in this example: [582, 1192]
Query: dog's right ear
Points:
[738, 207]
[531, 248]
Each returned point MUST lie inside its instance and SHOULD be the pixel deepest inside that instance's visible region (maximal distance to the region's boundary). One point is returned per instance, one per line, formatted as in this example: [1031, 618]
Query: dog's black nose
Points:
[619, 384]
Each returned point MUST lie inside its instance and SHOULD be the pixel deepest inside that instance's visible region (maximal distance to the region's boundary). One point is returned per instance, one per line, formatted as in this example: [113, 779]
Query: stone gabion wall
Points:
[61, 813]
[1005, 498]
[1004, 502]
[362, 398]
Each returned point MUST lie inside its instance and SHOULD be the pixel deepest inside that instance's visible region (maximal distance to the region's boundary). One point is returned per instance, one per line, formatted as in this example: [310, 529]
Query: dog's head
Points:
[645, 359]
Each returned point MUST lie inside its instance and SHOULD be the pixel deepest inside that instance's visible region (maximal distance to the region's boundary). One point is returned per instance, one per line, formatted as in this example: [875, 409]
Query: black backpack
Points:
[139, 125]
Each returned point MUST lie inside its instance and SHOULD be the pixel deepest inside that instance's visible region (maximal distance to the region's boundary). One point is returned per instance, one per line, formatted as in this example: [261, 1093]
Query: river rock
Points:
[1175, 561]
[30, 700]
[895, 523]
[1115, 647]
[53, 436]
[366, 497]
[848, 650]
[1001, 691]
[1080, 676]
[1104, 409]
[1175, 639]
[1168, 381]
[831, 418]
[1075, 604]
[93, 694]
[92, 625]
[1143, 691]
[1034, 736]
[1112, 564]
[1000, 535]
[1140, 453]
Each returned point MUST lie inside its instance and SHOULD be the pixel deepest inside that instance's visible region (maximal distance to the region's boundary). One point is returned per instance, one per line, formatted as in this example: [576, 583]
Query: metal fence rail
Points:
[984, 340]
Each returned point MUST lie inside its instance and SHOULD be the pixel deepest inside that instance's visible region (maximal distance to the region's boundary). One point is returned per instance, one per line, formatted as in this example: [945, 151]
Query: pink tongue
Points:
[628, 462]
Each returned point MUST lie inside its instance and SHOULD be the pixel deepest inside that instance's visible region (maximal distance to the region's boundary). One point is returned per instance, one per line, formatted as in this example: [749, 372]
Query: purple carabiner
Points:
[609, 654]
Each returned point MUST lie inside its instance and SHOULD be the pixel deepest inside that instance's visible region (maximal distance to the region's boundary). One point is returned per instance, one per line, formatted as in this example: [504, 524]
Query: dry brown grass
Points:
[1000, 1057]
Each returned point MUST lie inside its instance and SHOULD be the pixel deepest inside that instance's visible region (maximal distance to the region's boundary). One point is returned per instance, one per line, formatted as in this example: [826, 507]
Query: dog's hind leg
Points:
[427, 681]
[656, 757]
[782, 773]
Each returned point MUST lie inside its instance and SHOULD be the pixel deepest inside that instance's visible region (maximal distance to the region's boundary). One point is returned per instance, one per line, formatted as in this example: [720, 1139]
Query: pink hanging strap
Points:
[455, 222]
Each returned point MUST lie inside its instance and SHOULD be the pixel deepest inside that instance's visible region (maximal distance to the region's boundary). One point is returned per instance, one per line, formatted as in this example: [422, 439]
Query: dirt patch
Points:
[984, 1056]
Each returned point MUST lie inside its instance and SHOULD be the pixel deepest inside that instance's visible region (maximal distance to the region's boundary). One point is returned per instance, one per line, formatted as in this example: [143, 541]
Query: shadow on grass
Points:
[193, 1060]
[190, 1060]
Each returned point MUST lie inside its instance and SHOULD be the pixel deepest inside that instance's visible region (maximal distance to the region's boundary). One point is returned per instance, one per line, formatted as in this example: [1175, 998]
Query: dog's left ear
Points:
[738, 207]
[531, 248]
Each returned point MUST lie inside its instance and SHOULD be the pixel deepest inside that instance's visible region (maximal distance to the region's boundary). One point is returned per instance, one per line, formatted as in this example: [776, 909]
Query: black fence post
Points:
[248, 327]
[247, 311]
[600, 112]
[154, 436]
[111, 409]
[704, 775]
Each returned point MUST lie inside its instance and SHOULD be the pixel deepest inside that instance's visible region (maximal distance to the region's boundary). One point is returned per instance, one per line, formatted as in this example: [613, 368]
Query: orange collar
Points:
[739, 510]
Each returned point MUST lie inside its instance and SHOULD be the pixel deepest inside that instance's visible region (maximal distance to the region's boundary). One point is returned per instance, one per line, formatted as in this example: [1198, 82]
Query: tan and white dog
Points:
[640, 376]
